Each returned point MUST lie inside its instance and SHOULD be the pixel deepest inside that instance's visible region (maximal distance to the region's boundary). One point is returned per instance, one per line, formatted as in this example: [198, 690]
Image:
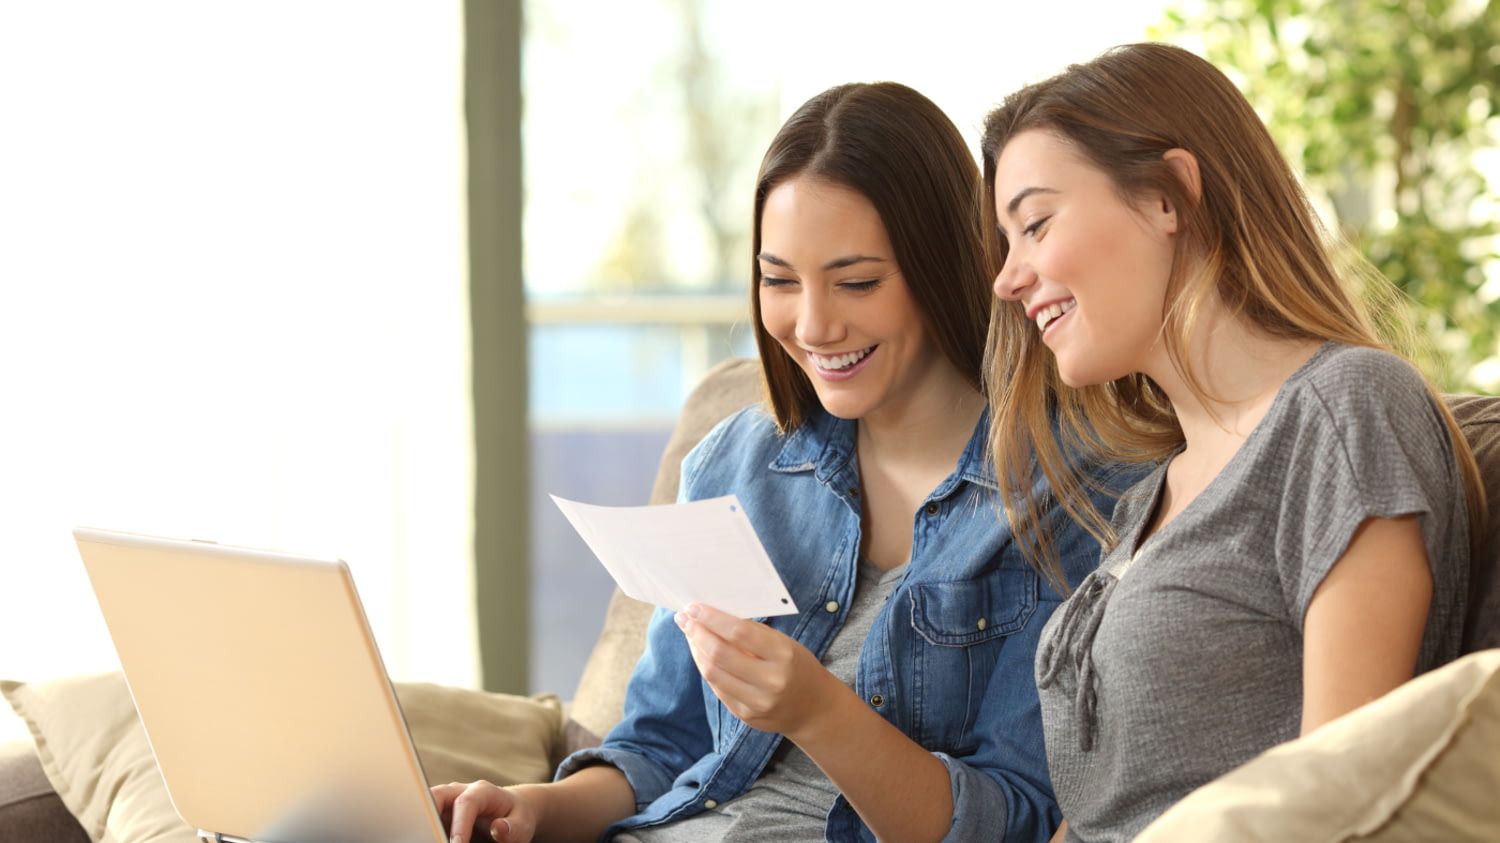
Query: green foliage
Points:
[1387, 108]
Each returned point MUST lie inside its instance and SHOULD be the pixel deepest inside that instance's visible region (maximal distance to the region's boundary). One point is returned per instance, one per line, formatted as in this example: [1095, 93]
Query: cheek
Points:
[777, 315]
[1059, 259]
[1099, 260]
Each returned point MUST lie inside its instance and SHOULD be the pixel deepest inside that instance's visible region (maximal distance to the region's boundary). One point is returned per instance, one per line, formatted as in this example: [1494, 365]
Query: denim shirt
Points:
[948, 661]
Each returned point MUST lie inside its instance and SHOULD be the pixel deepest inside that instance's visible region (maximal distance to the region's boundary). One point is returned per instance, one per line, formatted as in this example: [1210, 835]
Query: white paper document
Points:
[699, 552]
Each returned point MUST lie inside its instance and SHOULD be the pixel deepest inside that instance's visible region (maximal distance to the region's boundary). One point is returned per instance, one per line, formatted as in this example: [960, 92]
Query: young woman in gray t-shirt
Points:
[1303, 546]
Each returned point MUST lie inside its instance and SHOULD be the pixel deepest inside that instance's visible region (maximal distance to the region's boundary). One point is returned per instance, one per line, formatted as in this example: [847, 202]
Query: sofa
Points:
[1422, 763]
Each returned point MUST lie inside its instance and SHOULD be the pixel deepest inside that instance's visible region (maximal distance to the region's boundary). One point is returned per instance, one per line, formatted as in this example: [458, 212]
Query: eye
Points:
[775, 281]
[862, 286]
[1034, 227]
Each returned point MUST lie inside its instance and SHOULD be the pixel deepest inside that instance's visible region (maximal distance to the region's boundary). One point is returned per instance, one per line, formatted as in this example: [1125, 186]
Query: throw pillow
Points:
[95, 754]
[1418, 764]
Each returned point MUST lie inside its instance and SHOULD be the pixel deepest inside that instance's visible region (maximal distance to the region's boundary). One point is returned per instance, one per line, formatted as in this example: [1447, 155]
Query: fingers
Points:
[742, 633]
[725, 635]
[715, 654]
[442, 797]
[752, 668]
[467, 806]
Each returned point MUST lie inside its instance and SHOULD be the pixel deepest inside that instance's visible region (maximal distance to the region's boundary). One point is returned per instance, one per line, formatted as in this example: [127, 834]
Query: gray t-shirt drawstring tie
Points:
[1073, 647]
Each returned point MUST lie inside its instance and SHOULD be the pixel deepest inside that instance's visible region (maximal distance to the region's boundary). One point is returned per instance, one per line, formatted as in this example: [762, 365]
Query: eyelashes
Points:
[1029, 231]
[859, 286]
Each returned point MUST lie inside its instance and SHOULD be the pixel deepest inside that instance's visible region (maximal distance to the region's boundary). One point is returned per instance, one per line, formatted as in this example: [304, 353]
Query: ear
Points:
[1185, 165]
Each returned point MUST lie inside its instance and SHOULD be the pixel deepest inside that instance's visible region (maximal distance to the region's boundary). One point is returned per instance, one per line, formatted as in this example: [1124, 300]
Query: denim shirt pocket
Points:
[962, 630]
[958, 614]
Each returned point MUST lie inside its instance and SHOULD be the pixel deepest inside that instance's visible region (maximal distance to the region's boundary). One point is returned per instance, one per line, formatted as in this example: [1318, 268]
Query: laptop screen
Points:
[261, 691]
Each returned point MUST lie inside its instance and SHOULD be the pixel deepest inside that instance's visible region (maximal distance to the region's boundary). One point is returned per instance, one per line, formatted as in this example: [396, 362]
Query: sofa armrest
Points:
[29, 808]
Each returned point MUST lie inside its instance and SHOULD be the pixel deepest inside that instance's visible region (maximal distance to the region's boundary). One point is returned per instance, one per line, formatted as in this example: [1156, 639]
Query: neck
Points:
[1239, 370]
[934, 430]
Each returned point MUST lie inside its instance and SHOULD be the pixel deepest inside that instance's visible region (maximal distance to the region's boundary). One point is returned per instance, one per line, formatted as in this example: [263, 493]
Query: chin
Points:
[841, 409]
[1078, 377]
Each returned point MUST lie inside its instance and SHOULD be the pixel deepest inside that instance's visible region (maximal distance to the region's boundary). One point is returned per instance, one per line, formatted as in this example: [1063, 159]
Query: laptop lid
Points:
[261, 690]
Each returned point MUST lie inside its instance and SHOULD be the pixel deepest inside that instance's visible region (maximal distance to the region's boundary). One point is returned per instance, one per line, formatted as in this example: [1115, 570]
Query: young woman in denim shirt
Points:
[899, 703]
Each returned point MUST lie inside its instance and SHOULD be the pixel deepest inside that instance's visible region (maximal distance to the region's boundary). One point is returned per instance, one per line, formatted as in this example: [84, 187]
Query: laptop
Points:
[262, 693]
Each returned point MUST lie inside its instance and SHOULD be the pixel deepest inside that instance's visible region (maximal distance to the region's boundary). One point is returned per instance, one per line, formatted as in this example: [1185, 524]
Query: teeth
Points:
[840, 361]
[1045, 316]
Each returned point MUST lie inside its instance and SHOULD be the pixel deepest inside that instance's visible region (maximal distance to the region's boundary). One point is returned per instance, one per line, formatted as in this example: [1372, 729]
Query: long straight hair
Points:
[1251, 239]
[896, 148]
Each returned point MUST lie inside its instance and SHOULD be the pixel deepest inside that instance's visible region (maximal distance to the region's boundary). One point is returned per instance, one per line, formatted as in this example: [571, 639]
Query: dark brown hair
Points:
[895, 147]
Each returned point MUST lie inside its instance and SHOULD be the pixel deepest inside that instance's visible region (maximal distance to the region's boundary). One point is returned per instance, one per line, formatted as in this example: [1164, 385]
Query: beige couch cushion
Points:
[1419, 764]
[94, 751]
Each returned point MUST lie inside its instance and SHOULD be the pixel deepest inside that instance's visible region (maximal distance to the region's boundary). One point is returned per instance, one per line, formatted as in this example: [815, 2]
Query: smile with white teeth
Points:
[839, 361]
[1046, 315]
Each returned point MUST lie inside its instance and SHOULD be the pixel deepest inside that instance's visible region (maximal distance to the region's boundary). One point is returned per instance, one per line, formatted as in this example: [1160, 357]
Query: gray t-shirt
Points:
[791, 799]
[1172, 665]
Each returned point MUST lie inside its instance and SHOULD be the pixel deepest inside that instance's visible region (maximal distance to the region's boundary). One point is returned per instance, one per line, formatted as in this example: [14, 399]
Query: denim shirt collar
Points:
[825, 444]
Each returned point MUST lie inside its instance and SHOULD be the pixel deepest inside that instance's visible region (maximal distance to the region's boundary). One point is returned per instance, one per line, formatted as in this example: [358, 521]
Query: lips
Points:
[838, 362]
[839, 366]
[1047, 315]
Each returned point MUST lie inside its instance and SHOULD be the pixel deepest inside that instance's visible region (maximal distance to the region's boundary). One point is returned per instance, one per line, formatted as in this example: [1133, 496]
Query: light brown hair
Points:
[1254, 240]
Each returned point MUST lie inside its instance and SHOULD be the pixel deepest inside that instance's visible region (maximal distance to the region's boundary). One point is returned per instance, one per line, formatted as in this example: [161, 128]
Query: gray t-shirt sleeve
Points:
[1364, 440]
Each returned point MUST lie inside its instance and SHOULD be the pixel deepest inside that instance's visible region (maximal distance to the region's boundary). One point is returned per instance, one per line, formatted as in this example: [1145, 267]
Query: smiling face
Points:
[1090, 269]
[832, 295]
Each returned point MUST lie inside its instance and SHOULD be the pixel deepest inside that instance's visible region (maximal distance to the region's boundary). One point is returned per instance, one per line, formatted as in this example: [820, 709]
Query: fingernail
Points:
[694, 610]
[681, 619]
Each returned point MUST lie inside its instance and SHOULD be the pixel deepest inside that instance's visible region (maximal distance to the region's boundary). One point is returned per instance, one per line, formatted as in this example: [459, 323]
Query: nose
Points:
[818, 323]
[1013, 279]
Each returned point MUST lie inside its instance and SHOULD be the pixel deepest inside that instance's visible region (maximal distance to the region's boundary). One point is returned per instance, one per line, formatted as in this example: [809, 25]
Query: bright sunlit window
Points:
[234, 306]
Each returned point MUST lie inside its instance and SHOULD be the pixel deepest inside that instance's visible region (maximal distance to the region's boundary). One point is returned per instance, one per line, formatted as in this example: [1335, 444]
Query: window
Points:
[233, 306]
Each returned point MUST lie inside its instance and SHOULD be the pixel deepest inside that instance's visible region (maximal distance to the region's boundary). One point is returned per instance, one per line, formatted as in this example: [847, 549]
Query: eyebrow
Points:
[1015, 202]
[836, 263]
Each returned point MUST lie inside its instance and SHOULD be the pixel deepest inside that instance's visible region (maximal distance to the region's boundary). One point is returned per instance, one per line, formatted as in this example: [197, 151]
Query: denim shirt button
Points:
[932, 508]
[877, 700]
[853, 491]
[832, 605]
[982, 624]
[710, 804]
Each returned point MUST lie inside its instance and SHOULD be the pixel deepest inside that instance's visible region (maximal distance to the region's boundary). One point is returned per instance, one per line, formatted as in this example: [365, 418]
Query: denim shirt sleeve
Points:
[1001, 791]
[999, 785]
[664, 730]
[1005, 783]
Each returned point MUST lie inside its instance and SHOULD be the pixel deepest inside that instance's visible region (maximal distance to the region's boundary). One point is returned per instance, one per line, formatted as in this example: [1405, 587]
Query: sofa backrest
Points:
[1479, 418]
